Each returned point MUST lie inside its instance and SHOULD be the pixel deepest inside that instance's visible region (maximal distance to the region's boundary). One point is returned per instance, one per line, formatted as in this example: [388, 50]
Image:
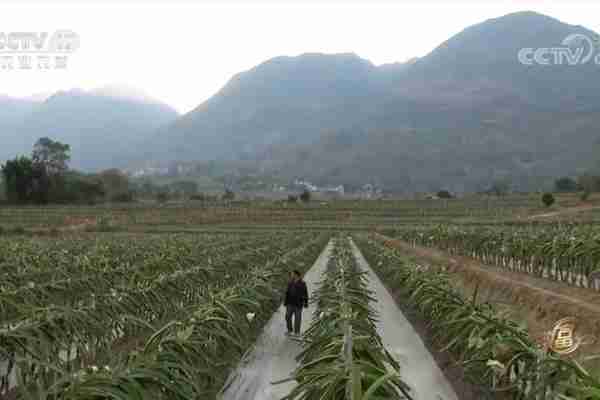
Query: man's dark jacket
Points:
[296, 294]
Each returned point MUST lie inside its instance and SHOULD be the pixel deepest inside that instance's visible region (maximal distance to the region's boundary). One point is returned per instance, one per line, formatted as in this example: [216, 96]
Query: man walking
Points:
[296, 297]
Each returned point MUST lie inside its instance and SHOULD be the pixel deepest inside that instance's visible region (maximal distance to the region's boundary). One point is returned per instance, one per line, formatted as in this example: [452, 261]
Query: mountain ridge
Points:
[104, 131]
[469, 100]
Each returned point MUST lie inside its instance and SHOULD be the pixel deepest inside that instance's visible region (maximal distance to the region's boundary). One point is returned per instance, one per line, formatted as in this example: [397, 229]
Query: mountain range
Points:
[466, 114]
[463, 116]
[104, 126]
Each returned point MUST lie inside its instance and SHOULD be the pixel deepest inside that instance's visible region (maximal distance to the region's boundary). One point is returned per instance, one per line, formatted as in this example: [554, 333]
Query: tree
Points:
[228, 195]
[444, 194]
[548, 199]
[585, 195]
[292, 199]
[18, 180]
[499, 188]
[184, 188]
[53, 155]
[305, 196]
[116, 185]
[589, 183]
[199, 196]
[565, 185]
[50, 160]
[82, 188]
[162, 197]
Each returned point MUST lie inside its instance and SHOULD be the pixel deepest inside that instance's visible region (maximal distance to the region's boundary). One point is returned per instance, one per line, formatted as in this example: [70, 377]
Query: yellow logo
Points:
[562, 339]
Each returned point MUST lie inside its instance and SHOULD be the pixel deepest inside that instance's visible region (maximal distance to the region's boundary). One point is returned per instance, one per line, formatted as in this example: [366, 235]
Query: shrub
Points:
[585, 195]
[292, 199]
[199, 197]
[548, 199]
[228, 195]
[305, 196]
[162, 197]
[565, 184]
[125, 197]
[444, 194]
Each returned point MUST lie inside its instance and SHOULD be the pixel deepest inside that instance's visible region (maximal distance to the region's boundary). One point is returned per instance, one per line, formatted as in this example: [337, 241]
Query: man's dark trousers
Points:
[296, 312]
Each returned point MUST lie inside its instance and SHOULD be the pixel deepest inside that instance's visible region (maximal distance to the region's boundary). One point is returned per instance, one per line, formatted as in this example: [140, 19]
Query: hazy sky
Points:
[182, 52]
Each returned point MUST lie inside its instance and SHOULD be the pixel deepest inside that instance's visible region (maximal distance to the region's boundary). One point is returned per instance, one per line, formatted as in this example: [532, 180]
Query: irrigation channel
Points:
[274, 356]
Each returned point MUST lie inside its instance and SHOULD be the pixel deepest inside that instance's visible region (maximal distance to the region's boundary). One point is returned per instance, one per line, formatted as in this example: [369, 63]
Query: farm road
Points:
[273, 356]
[417, 366]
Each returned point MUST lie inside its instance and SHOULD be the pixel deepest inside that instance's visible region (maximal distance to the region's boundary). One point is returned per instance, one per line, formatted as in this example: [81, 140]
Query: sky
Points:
[182, 52]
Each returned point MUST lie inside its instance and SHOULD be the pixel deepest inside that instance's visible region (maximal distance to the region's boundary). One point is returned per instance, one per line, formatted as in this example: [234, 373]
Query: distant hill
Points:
[104, 129]
[283, 100]
[464, 115]
[13, 112]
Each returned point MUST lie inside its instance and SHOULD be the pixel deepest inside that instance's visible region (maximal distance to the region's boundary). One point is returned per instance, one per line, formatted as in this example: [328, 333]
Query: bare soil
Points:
[569, 210]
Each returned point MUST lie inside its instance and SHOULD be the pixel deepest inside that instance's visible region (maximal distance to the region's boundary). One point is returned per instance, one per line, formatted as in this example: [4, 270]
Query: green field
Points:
[146, 301]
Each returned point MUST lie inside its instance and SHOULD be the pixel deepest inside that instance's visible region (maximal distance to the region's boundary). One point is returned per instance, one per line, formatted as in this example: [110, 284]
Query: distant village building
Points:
[370, 191]
[306, 184]
[149, 171]
[332, 190]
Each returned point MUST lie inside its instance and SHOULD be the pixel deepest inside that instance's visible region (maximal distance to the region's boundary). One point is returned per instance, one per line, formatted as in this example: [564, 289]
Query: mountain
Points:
[12, 112]
[125, 92]
[283, 100]
[466, 114]
[104, 128]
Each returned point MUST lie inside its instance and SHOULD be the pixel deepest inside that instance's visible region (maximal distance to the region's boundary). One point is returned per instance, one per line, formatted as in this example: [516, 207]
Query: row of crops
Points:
[343, 355]
[266, 212]
[565, 253]
[132, 317]
[496, 353]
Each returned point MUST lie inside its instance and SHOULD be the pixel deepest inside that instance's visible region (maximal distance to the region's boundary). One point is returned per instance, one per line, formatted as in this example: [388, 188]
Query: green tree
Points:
[585, 195]
[116, 185]
[305, 196]
[548, 199]
[50, 160]
[565, 185]
[53, 155]
[82, 188]
[444, 194]
[499, 188]
[228, 195]
[162, 197]
[18, 180]
[184, 188]
[589, 183]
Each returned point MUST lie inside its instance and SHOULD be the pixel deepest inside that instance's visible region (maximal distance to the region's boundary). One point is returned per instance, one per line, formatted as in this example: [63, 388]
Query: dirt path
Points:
[418, 367]
[273, 357]
[587, 299]
[546, 300]
[570, 210]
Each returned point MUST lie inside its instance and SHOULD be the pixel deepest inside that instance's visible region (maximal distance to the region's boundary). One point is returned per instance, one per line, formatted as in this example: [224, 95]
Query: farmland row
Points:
[565, 253]
[495, 352]
[344, 357]
[56, 343]
[105, 270]
[267, 212]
